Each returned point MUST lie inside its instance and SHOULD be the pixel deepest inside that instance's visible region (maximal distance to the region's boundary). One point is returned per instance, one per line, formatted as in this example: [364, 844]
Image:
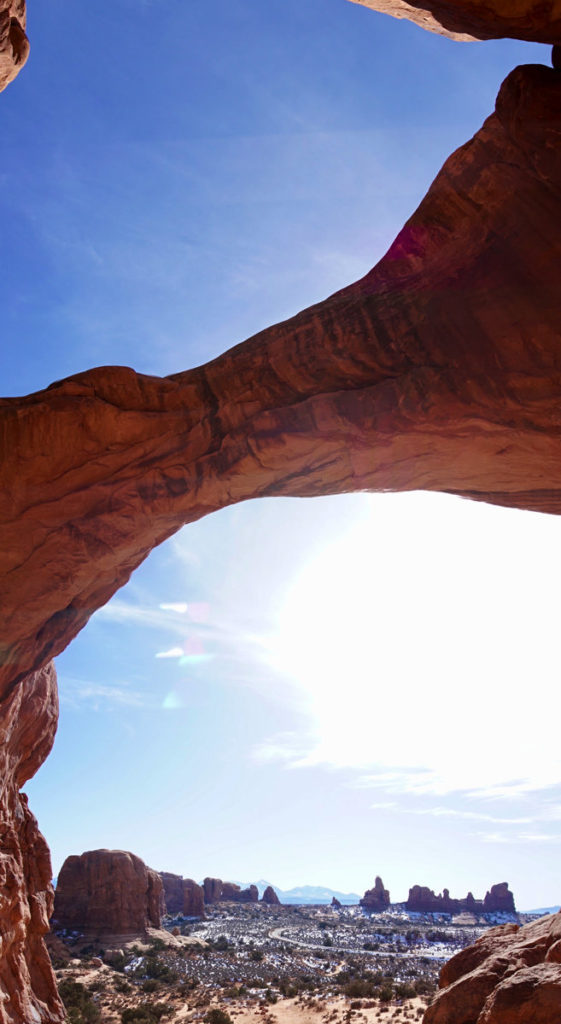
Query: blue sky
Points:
[308, 691]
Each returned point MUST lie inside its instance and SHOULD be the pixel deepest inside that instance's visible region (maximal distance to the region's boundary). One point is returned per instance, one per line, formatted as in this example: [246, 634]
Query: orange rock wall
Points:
[28, 721]
[511, 975]
[532, 20]
[108, 892]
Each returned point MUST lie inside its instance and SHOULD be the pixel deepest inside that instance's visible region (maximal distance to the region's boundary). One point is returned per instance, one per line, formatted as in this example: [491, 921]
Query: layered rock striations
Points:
[511, 975]
[28, 721]
[532, 20]
[439, 370]
[423, 900]
[108, 892]
[376, 899]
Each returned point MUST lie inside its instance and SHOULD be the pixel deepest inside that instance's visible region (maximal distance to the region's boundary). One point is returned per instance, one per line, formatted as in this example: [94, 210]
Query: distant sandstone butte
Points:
[173, 892]
[511, 975]
[499, 898]
[108, 892]
[193, 899]
[270, 897]
[182, 895]
[212, 889]
[377, 899]
[423, 900]
[217, 891]
[534, 20]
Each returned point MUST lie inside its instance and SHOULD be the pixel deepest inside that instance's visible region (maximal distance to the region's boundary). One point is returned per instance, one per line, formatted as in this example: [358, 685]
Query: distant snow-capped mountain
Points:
[311, 894]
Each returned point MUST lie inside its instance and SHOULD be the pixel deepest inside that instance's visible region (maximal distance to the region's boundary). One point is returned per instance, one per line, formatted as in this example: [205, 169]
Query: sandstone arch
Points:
[440, 370]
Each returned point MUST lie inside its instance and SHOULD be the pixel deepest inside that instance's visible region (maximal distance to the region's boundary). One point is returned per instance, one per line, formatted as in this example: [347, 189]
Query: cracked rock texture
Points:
[511, 975]
[108, 892]
[14, 44]
[28, 721]
[532, 20]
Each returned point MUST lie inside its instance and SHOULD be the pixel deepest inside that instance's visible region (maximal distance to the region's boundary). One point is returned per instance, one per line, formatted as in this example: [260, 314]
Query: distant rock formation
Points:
[376, 899]
[108, 892]
[511, 975]
[212, 888]
[270, 897]
[217, 891]
[193, 899]
[173, 892]
[424, 901]
[499, 899]
[335, 903]
[182, 895]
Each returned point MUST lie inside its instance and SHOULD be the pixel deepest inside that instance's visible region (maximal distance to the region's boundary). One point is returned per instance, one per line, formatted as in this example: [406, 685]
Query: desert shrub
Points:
[216, 1016]
[122, 986]
[78, 1002]
[158, 945]
[153, 967]
[220, 944]
[150, 985]
[145, 1013]
[386, 993]
[405, 990]
[256, 955]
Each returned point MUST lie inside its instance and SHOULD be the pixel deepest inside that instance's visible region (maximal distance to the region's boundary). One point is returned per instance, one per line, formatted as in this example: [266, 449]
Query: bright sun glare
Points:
[417, 640]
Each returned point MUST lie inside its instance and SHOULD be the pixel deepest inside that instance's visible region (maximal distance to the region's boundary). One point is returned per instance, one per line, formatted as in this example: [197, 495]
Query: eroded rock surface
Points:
[193, 899]
[28, 721]
[173, 892]
[439, 370]
[532, 20]
[269, 896]
[14, 44]
[511, 975]
[376, 899]
[108, 892]
[423, 900]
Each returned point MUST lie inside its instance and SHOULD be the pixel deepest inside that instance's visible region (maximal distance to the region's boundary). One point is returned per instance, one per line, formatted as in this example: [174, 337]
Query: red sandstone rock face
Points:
[193, 899]
[28, 721]
[479, 19]
[14, 45]
[212, 889]
[108, 892]
[173, 892]
[270, 897]
[510, 975]
[377, 899]
[499, 899]
[441, 370]
[423, 900]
